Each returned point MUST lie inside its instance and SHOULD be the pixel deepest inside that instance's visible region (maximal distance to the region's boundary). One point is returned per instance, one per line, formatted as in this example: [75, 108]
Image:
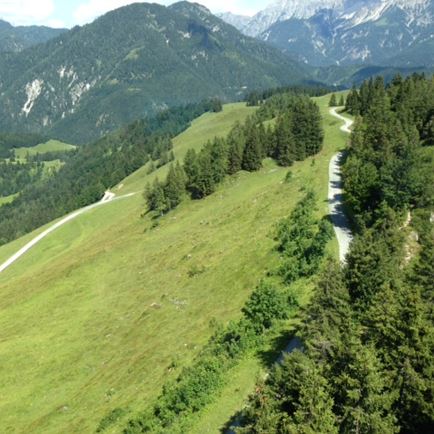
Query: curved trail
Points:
[108, 197]
[336, 195]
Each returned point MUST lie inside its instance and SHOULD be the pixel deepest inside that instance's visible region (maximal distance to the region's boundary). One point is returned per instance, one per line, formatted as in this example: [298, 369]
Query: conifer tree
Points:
[284, 141]
[253, 151]
[155, 197]
[174, 188]
[218, 152]
[236, 145]
[333, 101]
[341, 101]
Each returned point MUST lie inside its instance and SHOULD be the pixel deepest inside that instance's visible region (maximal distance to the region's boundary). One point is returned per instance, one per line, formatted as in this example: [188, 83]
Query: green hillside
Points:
[20, 37]
[93, 316]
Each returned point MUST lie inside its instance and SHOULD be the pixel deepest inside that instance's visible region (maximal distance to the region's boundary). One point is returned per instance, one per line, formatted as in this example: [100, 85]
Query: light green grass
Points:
[94, 315]
[43, 148]
[7, 199]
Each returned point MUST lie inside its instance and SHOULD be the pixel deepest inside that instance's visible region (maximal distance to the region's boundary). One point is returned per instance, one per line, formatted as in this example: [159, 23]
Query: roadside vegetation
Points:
[368, 333]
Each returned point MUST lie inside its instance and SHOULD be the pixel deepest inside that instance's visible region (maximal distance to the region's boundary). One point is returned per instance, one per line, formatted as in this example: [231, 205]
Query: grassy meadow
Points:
[99, 313]
[43, 148]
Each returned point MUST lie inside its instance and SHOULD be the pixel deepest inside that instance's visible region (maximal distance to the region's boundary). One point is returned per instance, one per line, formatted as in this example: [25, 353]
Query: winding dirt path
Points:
[108, 197]
[336, 194]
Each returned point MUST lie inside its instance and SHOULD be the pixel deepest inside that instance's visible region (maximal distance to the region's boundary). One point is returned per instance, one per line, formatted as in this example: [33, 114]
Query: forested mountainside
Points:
[368, 334]
[131, 62]
[345, 32]
[17, 38]
[95, 168]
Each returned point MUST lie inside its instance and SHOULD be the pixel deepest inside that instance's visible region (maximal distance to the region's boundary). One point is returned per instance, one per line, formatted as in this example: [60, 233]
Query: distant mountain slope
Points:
[132, 61]
[16, 39]
[346, 32]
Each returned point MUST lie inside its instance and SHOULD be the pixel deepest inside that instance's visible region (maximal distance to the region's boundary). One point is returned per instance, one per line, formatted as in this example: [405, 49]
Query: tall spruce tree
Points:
[253, 151]
[333, 101]
[236, 143]
[284, 151]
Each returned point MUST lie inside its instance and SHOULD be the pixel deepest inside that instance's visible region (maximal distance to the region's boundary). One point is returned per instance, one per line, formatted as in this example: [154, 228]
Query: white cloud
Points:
[25, 12]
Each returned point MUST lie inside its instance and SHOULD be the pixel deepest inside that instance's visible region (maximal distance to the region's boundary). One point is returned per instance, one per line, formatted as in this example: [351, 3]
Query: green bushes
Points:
[266, 305]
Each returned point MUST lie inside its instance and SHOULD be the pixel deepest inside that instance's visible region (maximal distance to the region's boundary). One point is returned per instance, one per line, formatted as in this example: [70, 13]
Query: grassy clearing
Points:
[94, 316]
[43, 148]
[7, 199]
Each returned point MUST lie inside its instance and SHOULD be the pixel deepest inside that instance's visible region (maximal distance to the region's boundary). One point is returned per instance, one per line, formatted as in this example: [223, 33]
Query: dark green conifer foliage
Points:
[174, 188]
[307, 130]
[284, 151]
[218, 152]
[363, 401]
[155, 197]
[253, 151]
[333, 101]
[236, 144]
[341, 101]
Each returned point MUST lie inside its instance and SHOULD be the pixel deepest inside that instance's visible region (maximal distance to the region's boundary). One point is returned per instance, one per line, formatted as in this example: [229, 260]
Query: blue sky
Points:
[67, 13]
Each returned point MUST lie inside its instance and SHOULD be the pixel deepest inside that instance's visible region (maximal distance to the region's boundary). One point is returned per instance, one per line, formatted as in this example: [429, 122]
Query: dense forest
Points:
[96, 167]
[297, 134]
[14, 176]
[368, 337]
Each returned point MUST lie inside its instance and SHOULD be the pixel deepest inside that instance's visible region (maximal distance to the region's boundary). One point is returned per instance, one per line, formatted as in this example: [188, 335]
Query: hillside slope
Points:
[94, 315]
[130, 62]
[18, 38]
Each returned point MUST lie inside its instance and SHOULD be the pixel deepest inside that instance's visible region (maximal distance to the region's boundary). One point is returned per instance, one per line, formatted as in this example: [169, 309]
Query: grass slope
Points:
[43, 148]
[93, 316]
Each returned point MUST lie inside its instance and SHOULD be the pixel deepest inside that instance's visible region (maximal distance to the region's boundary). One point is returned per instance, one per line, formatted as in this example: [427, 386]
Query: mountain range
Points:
[396, 33]
[131, 62]
[18, 38]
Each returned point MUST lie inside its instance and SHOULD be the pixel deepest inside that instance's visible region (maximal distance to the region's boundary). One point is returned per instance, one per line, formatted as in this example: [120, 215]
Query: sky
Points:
[67, 13]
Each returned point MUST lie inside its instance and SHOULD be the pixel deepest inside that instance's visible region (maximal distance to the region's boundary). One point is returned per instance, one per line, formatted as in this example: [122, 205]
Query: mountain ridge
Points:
[343, 32]
[127, 63]
[18, 38]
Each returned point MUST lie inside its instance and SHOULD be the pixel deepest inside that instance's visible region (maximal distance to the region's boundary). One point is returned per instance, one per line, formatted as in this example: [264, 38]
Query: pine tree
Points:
[341, 101]
[284, 140]
[363, 401]
[174, 188]
[253, 151]
[204, 184]
[307, 130]
[236, 145]
[218, 152]
[191, 169]
[155, 197]
[333, 101]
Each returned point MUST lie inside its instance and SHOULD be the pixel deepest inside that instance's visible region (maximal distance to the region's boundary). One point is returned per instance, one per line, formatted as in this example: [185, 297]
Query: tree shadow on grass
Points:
[279, 345]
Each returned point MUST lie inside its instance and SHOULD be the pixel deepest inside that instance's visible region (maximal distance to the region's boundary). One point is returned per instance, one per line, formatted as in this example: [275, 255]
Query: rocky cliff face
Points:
[345, 32]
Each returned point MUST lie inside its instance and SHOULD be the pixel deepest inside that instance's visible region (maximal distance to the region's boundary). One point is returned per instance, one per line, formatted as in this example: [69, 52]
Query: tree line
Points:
[366, 365]
[96, 167]
[17, 175]
[297, 134]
